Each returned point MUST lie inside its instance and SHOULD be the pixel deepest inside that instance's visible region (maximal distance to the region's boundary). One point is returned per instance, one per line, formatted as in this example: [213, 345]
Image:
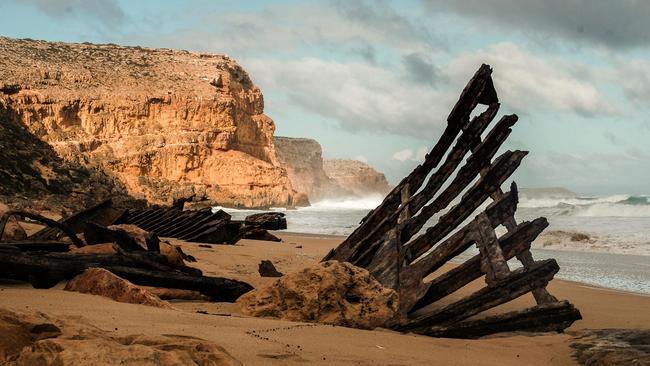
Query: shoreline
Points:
[570, 271]
[293, 343]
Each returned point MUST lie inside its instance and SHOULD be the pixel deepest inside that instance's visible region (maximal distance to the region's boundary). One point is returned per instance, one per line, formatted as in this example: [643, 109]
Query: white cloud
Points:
[634, 77]
[350, 26]
[525, 81]
[359, 96]
[411, 155]
[403, 155]
[421, 153]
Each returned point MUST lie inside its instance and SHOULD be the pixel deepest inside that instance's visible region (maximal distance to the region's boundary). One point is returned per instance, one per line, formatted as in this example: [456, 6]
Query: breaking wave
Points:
[347, 203]
[610, 206]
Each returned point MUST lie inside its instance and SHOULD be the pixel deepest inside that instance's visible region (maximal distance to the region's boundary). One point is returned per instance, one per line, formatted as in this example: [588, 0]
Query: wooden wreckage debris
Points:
[205, 226]
[392, 244]
[200, 226]
[44, 258]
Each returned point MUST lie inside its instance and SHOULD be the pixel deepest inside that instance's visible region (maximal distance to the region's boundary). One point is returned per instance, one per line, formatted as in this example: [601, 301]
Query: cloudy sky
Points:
[375, 80]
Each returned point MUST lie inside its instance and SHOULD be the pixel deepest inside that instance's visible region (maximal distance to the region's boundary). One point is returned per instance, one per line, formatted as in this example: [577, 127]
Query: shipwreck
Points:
[449, 203]
[391, 244]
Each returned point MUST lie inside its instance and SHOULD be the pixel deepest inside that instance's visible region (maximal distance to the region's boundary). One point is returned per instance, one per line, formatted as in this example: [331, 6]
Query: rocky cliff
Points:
[166, 123]
[33, 176]
[356, 176]
[303, 159]
[320, 178]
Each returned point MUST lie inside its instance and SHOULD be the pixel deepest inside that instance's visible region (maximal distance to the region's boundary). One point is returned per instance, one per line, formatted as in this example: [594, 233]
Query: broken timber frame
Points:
[391, 244]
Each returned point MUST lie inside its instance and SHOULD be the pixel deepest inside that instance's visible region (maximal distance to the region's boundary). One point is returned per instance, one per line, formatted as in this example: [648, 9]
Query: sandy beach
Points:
[256, 341]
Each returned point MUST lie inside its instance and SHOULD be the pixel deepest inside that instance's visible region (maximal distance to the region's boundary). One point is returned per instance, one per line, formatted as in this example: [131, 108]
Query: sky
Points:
[375, 80]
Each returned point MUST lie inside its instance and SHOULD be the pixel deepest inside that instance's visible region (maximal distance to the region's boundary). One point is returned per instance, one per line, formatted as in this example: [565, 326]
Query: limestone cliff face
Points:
[166, 123]
[320, 178]
[303, 160]
[33, 176]
[356, 176]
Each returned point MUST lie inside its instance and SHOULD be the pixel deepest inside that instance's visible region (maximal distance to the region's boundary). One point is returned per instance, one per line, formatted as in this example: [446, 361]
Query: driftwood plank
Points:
[553, 317]
[479, 89]
[42, 219]
[413, 204]
[518, 283]
[45, 271]
[511, 243]
[37, 245]
[502, 168]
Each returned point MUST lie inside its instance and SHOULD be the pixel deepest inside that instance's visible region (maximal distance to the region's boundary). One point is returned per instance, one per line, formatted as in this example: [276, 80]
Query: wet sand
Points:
[257, 341]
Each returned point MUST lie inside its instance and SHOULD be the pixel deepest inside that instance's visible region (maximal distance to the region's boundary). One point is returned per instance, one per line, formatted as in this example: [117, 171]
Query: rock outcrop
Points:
[303, 159]
[609, 347]
[98, 281]
[356, 176]
[12, 230]
[330, 292]
[319, 178]
[33, 176]
[167, 124]
[39, 339]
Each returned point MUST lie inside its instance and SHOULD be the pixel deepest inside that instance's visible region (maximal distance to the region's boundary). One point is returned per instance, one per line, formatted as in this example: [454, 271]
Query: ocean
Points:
[602, 241]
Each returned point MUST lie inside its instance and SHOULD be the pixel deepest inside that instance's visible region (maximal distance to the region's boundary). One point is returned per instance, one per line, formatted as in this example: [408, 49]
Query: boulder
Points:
[330, 293]
[267, 269]
[173, 254]
[267, 220]
[609, 347]
[146, 240]
[13, 230]
[257, 233]
[35, 338]
[98, 281]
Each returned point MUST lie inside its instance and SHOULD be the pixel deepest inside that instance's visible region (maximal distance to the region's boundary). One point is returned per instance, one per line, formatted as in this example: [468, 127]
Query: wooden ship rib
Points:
[392, 245]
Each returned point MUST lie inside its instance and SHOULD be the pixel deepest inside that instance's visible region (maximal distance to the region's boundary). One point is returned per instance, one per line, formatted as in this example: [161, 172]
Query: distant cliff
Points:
[165, 123]
[319, 178]
[356, 176]
[303, 159]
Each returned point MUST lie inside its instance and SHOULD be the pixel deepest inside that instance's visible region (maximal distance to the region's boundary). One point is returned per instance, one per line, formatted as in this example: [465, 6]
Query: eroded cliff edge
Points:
[319, 178]
[165, 123]
[356, 176]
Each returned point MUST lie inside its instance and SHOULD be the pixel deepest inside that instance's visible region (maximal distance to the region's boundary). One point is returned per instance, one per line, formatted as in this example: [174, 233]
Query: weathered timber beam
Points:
[45, 271]
[552, 317]
[37, 245]
[149, 222]
[102, 213]
[518, 283]
[497, 212]
[44, 220]
[493, 263]
[512, 243]
[168, 217]
[471, 137]
[479, 89]
[149, 215]
[132, 216]
[500, 170]
[217, 288]
[477, 162]
[411, 287]
[188, 231]
[465, 142]
[97, 234]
